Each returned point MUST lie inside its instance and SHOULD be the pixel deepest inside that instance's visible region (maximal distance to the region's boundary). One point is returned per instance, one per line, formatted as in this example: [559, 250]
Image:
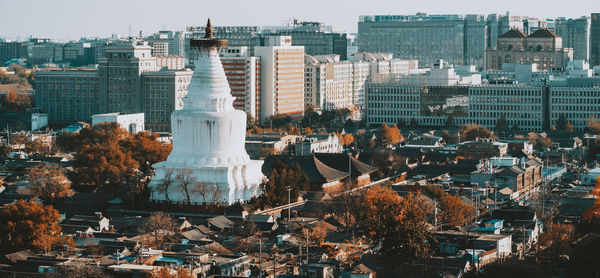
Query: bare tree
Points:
[247, 232]
[161, 226]
[185, 182]
[165, 184]
[201, 188]
[215, 193]
[49, 182]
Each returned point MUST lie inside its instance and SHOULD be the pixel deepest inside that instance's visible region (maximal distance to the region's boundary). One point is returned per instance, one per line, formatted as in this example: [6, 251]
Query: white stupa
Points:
[208, 140]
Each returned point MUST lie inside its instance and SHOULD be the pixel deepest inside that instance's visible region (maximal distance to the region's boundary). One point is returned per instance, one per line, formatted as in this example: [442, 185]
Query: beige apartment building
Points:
[282, 78]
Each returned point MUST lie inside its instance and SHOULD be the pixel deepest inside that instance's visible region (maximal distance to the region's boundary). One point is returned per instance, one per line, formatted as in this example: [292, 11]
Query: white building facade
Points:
[133, 123]
[318, 143]
[328, 82]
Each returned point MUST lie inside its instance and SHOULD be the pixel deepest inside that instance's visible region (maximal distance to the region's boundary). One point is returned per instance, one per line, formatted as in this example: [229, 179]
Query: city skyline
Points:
[134, 16]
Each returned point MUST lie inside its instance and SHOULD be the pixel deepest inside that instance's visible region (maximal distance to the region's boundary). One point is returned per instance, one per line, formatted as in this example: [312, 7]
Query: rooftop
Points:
[316, 171]
[543, 33]
[513, 33]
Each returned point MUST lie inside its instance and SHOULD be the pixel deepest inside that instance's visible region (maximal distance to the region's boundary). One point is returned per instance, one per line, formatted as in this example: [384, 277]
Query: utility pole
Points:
[289, 189]
[495, 194]
[434, 214]
[274, 262]
[350, 170]
[307, 246]
[487, 192]
[7, 134]
[524, 243]
[477, 201]
[473, 201]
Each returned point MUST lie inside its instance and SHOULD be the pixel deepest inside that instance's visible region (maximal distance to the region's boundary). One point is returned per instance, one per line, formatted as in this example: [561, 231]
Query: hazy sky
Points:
[72, 19]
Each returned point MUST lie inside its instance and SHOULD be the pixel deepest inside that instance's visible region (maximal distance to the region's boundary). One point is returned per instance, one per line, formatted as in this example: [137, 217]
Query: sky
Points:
[63, 20]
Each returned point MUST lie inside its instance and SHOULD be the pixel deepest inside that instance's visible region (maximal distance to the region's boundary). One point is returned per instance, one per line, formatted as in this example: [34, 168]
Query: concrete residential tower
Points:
[208, 140]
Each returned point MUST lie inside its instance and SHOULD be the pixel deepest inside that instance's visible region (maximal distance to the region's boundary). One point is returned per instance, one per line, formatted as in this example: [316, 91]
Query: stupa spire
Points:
[208, 137]
[209, 89]
[208, 31]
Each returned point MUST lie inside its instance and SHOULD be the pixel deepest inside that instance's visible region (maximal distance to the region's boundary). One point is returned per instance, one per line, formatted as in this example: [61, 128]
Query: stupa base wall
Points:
[225, 184]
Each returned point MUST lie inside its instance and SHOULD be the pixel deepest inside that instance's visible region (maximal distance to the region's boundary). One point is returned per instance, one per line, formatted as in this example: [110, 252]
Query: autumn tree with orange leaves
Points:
[109, 155]
[390, 135]
[556, 240]
[472, 132]
[344, 139]
[30, 225]
[398, 223]
[455, 213]
[14, 102]
[100, 165]
[594, 212]
[165, 272]
[146, 149]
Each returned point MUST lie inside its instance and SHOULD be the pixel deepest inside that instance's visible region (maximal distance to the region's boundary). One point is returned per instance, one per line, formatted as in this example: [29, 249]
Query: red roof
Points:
[513, 33]
[543, 33]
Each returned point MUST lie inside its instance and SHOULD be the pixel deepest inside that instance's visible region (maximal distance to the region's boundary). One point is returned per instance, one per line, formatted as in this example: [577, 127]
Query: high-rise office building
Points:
[595, 40]
[360, 74]
[533, 107]
[174, 40]
[319, 43]
[67, 96]
[160, 48]
[474, 40]
[426, 38]
[73, 50]
[507, 22]
[282, 78]
[243, 75]
[79, 54]
[575, 33]
[385, 63]
[317, 38]
[12, 50]
[169, 62]
[128, 80]
[42, 51]
[367, 65]
[492, 30]
[249, 36]
[120, 76]
[163, 93]
[328, 82]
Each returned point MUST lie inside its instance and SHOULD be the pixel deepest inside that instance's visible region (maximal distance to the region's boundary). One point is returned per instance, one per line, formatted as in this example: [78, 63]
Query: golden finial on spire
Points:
[209, 41]
[208, 31]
